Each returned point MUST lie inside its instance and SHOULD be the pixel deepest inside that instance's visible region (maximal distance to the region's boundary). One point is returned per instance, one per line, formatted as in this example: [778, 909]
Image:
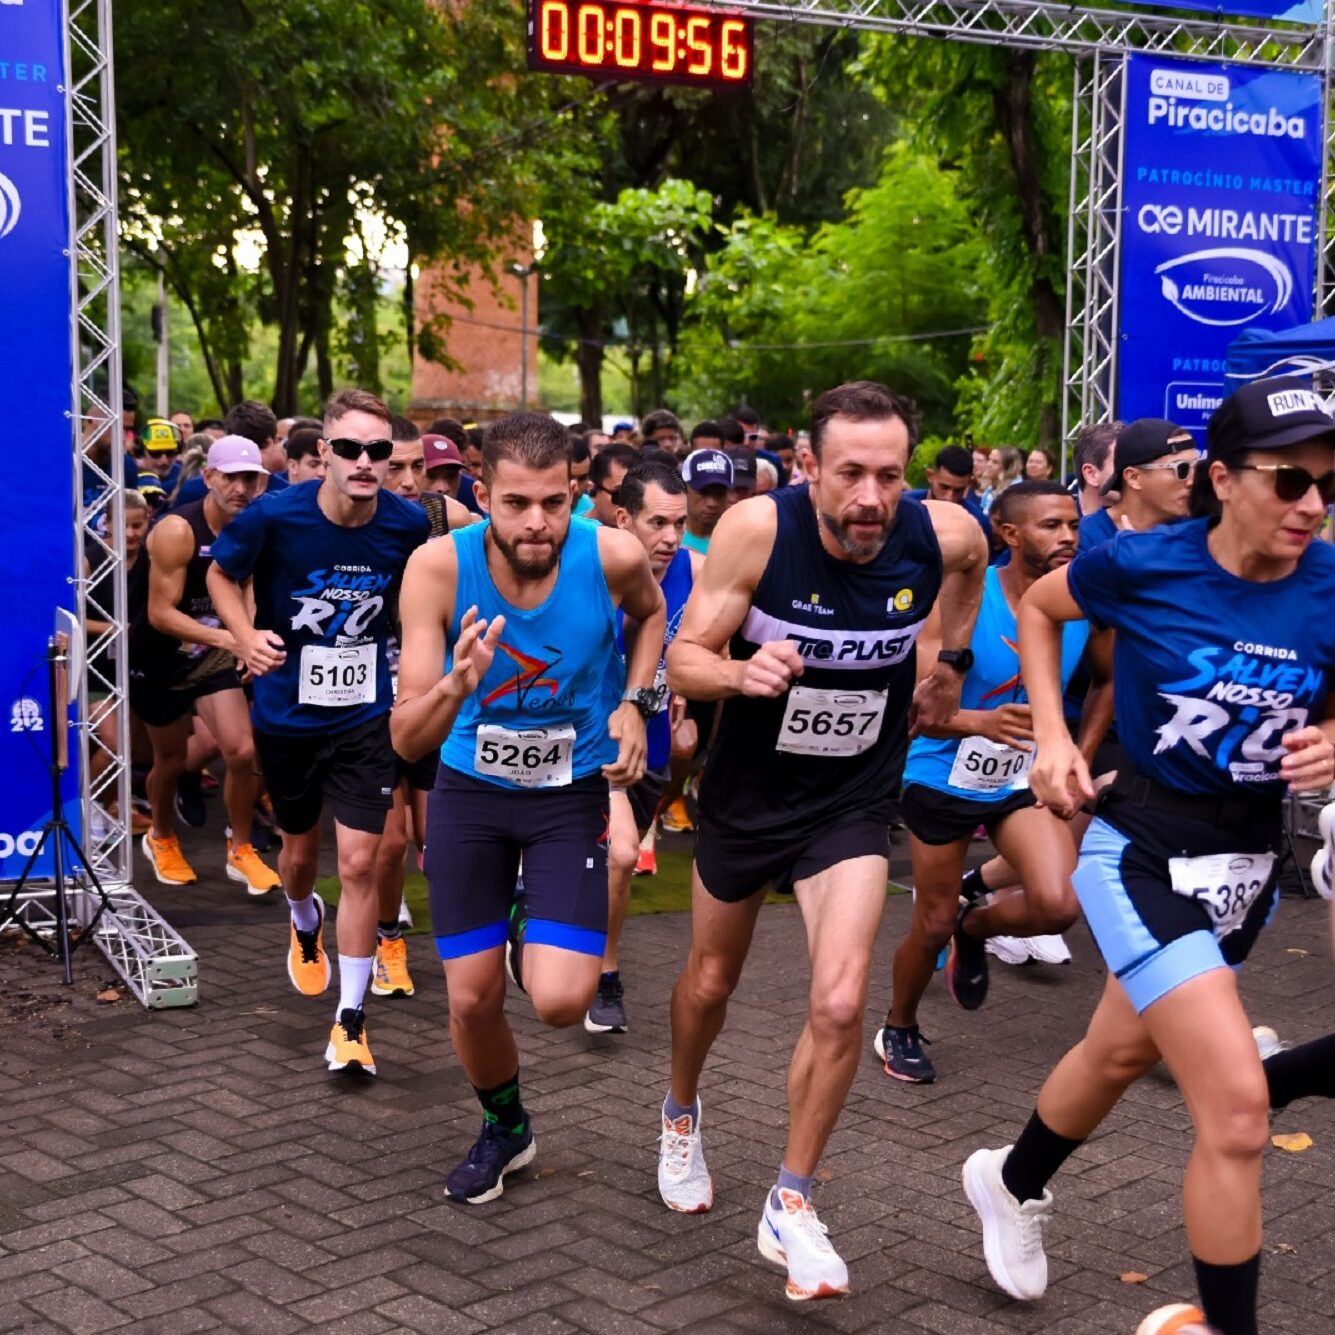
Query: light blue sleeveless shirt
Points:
[551, 669]
[993, 681]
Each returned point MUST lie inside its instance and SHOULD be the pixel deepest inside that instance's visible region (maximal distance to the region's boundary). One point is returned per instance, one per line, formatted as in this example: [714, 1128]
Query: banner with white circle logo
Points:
[37, 538]
[1221, 183]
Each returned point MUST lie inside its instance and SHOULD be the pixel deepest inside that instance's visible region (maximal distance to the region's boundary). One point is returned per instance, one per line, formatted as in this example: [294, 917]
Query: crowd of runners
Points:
[508, 650]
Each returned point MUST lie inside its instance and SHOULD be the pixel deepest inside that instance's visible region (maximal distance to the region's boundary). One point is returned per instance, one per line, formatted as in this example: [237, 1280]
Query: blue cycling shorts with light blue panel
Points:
[1154, 938]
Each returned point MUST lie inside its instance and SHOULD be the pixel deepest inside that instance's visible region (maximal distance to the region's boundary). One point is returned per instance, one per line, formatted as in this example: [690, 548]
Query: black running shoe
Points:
[966, 969]
[481, 1176]
[190, 801]
[607, 1015]
[901, 1051]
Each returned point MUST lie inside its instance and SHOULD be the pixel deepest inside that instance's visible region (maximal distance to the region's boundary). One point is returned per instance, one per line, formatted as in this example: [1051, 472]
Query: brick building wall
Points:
[486, 343]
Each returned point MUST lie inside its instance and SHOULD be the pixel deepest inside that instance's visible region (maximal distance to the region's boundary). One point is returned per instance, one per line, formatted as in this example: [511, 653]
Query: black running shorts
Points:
[354, 769]
[159, 704]
[476, 833]
[644, 798]
[421, 774]
[734, 865]
[934, 817]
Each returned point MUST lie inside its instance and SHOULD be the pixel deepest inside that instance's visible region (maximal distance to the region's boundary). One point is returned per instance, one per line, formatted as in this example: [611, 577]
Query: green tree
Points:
[298, 121]
[778, 317]
[625, 266]
[1000, 119]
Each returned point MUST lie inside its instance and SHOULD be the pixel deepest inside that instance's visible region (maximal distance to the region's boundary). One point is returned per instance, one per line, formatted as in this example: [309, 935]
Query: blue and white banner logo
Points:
[37, 535]
[1309, 13]
[1220, 189]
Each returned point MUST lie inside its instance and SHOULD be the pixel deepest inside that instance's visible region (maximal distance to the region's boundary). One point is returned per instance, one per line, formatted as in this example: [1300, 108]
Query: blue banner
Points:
[1221, 182]
[1308, 12]
[37, 536]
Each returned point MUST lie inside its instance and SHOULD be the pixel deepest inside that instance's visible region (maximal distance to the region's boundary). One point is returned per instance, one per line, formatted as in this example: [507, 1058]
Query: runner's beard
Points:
[838, 530]
[527, 569]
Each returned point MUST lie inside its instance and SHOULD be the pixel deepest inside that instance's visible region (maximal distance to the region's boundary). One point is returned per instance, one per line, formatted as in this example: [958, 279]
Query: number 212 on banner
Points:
[661, 43]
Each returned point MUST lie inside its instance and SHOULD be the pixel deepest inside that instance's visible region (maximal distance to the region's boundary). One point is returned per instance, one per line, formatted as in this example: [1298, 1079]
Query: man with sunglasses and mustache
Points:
[321, 563]
[1153, 464]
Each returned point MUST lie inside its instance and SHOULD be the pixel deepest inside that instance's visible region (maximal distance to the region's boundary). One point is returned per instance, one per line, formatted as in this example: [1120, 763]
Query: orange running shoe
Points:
[647, 863]
[676, 818]
[347, 1044]
[167, 860]
[244, 864]
[391, 977]
[307, 962]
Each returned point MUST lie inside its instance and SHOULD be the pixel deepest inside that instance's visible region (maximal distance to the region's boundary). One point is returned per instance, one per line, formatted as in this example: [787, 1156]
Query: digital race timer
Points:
[617, 39]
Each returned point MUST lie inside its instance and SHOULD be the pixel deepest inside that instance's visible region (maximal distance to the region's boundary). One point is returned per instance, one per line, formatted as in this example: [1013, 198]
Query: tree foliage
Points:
[781, 316]
[301, 127]
[1000, 120]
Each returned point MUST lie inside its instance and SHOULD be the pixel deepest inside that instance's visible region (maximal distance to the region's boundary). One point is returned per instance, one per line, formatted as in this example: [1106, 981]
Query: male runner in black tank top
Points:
[181, 658]
[821, 592]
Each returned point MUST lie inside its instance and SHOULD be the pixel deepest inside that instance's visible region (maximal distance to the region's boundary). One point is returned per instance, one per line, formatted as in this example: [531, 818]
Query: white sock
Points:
[305, 916]
[354, 977]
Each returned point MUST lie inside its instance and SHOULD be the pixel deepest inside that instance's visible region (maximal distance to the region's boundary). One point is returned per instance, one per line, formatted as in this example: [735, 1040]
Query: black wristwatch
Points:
[960, 659]
[648, 700]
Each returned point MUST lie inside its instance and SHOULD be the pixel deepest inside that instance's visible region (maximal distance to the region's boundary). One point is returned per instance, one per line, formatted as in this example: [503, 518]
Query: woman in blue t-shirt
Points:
[1220, 671]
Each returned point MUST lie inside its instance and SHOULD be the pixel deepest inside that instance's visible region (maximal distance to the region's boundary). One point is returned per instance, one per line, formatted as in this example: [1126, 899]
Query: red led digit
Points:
[554, 30]
[590, 32]
[627, 48]
[735, 57]
[662, 39]
[697, 40]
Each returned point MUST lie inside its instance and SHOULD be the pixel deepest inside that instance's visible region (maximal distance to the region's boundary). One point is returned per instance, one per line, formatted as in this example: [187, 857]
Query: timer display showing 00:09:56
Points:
[598, 36]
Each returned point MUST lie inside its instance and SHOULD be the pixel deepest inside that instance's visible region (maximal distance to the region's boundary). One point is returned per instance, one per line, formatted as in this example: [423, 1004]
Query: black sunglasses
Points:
[1293, 483]
[376, 450]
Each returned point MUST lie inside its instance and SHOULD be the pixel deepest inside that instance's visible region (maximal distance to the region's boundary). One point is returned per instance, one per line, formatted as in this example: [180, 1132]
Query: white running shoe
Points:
[405, 914]
[1048, 949]
[1008, 949]
[1268, 1042]
[683, 1180]
[1012, 1233]
[1175, 1319]
[1323, 860]
[792, 1236]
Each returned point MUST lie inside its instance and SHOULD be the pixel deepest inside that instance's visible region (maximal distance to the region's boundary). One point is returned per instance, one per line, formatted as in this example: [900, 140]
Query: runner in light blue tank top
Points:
[534, 721]
[548, 691]
[986, 773]
[972, 773]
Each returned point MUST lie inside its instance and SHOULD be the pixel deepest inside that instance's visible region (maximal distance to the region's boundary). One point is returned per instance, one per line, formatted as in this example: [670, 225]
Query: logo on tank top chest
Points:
[812, 607]
[853, 648]
[901, 602]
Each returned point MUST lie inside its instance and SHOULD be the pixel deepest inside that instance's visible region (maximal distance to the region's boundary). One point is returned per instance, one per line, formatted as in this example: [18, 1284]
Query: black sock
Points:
[502, 1106]
[389, 931]
[972, 887]
[1034, 1159]
[1301, 1072]
[1228, 1294]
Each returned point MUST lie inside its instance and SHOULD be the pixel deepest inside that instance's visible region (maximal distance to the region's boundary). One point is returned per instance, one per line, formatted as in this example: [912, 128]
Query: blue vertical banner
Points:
[1221, 184]
[1308, 13]
[37, 535]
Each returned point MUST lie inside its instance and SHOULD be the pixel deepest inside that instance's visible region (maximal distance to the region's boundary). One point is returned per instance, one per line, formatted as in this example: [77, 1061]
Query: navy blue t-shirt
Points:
[467, 484]
[1095, 529]
[1209, 670]
[92, 486]
[322, 587]
[196, 488]
[971, 505]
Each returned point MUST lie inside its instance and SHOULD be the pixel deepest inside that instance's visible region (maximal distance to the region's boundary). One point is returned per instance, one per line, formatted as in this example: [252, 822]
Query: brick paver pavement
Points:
[200, 1170]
